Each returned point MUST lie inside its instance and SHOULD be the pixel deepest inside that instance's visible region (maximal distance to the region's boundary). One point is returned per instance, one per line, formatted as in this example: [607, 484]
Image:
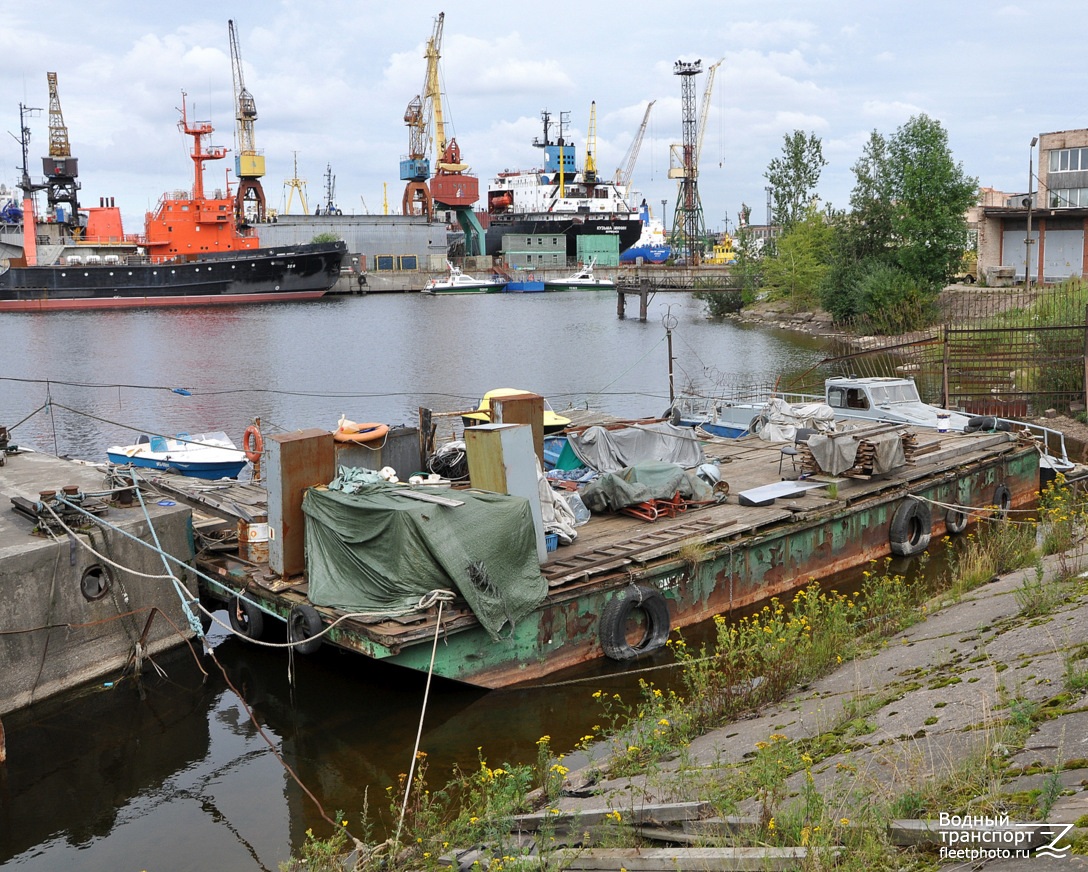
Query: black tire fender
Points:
[756, 425]
[618, 610]
[955, 520]
[911, 528]
[304, 626]
[987, 423]
[1002, 499]
[246, 619]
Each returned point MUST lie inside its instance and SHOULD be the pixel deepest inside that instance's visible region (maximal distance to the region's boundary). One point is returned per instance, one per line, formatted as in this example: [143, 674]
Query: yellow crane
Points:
[61, 169]
[294, 184]
[248, 162]
[589, 174]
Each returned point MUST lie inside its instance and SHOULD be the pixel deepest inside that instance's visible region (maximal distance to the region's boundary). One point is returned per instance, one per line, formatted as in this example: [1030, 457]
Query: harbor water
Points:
[172, 772]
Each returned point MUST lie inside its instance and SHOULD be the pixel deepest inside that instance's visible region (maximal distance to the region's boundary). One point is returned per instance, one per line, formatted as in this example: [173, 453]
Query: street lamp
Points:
[664, 218]
[1027, 202]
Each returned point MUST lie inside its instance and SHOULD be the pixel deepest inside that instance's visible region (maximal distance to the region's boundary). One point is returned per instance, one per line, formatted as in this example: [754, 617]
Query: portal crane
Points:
[589, 174]
[451, 187]
[61, 169]
[248, 162]
[625, 171]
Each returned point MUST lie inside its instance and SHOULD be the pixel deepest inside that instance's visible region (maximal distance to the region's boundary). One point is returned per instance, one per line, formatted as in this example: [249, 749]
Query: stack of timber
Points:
[865, 463]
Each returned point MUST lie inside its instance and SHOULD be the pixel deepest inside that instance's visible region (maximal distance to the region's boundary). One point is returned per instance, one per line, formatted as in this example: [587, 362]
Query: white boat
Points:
[581, 278]
[874, 398]
[202, 455]
[459, 283]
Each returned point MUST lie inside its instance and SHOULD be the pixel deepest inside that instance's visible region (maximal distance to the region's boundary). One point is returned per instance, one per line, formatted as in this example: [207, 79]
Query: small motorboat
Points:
[459, 283]
[582, 278]
[202, 455]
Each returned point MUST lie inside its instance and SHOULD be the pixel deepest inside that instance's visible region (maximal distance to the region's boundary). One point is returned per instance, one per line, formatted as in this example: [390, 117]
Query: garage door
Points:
[1064, 254]
[1012, 250]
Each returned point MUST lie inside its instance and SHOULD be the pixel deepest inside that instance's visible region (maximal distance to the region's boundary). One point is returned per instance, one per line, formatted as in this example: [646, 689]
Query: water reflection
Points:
[173, 775]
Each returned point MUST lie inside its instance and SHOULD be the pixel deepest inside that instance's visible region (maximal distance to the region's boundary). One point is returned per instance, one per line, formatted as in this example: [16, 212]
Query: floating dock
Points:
[82, 586]
[769, 537]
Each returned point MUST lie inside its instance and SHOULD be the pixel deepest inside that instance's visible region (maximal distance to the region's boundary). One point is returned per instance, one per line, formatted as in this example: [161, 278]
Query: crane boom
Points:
[627, 168]
[248, 162]
[706, 110]
[58, 133]
[590, 171]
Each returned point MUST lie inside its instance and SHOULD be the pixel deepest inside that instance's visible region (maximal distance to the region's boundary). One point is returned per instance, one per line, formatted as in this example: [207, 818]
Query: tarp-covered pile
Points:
[373, 552]
[612, 450]
[642, 483]
[779, 421]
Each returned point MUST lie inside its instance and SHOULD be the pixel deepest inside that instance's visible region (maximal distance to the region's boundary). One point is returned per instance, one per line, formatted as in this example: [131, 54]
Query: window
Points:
[1068, 160]
[1068, 198]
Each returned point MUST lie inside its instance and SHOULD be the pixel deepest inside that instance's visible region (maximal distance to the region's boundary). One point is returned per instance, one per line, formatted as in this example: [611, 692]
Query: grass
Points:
[788, 785]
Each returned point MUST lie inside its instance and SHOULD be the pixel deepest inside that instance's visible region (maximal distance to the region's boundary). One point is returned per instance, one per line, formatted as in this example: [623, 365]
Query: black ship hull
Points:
[572, 226]
[262, 275]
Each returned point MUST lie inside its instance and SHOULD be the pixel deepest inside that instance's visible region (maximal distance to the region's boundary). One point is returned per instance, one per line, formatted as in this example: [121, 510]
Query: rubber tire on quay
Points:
[757, 424]
[618, 610]
[303, 626]
[955, 520]
[911, 528]
[251, 624]
[1002, 499]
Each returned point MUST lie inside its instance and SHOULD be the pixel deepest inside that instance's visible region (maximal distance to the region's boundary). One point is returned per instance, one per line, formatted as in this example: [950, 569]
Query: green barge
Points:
[626, 582]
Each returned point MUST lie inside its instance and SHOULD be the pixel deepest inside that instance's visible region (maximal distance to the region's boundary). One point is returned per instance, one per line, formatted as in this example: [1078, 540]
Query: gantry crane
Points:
[451, 187]
[61, 169]
[248, 162]
[627, 169]
[295, 184]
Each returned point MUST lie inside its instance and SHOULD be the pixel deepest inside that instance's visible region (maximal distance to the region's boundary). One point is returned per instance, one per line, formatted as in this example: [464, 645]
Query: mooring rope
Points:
[419, 731]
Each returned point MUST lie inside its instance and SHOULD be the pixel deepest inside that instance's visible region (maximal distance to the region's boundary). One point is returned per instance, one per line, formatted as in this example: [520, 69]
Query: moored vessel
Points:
[559, 199]
[191, 253]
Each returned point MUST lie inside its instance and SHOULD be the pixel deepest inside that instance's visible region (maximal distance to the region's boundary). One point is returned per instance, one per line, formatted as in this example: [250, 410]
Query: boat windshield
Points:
[905, 392]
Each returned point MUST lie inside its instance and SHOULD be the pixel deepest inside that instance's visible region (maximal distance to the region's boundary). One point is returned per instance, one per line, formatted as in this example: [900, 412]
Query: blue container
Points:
[551, 541]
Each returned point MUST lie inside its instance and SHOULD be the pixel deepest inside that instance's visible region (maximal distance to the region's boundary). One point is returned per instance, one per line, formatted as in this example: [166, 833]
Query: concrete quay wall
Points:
[68, 614]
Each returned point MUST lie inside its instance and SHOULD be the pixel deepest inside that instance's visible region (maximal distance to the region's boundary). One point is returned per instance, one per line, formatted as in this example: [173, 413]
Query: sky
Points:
[331, 81]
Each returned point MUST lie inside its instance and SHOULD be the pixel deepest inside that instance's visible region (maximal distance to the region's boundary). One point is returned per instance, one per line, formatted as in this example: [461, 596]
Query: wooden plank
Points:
[657, 812]
[427, 498]
[669, 859]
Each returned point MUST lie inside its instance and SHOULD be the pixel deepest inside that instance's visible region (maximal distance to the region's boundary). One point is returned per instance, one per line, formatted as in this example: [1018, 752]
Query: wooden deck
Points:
[609, 545]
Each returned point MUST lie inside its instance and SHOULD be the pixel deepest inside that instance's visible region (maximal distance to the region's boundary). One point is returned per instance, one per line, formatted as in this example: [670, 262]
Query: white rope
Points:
[419, 731]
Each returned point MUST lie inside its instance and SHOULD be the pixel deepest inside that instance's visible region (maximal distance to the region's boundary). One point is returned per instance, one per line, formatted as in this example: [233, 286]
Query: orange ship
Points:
[211, 261]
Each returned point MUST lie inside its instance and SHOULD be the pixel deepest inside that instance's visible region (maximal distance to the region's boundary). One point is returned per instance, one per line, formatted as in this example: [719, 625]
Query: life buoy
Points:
[361, 433]
[1002, 499]
[532, 277]
[911, 528]
[955, 520]
[253, 451]
[304, 627]
[617, 612]
[246, 619]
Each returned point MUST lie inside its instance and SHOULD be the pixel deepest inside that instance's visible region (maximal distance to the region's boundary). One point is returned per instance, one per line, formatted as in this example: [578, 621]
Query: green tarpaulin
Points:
[374, 552]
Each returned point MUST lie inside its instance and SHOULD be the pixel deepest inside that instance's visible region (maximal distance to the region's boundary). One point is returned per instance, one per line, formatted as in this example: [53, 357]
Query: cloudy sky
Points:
[331, 82]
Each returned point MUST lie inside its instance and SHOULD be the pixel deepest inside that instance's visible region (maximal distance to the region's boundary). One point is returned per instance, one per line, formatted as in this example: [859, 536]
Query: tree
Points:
[868, 228]
[798, 267]
[931, 196]
[793, 177]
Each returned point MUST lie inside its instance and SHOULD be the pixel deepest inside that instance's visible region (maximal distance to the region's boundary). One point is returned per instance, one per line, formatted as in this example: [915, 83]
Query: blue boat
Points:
[204, 455]
[651, 246]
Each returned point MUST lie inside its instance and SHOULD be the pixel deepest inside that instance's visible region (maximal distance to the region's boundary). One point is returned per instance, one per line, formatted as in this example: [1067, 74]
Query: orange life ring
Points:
[362, 433]
[252, 434]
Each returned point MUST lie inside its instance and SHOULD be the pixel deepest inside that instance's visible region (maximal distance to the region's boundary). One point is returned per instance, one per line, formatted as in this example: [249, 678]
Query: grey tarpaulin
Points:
[837, 454]
[612, 450]
[375, 552]
[646, 481]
